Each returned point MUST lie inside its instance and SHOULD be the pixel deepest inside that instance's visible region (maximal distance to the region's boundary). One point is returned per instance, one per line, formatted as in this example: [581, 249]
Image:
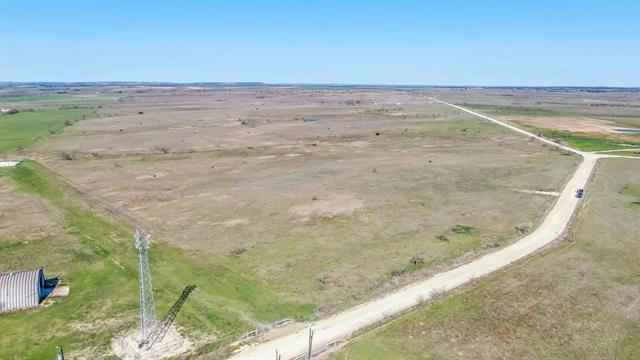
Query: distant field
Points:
[591, 137]
[39, 100]
[24, 128]
[498, 110]
[578, 301]
[38, 97]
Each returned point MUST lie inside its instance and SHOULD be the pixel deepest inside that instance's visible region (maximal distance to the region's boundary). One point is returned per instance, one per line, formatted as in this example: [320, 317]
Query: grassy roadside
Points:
[626, 153]
[24, 128]
[100, 266]
[578, 301]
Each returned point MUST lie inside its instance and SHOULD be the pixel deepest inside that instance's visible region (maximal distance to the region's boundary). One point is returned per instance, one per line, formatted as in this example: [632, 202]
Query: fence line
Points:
[262, 329]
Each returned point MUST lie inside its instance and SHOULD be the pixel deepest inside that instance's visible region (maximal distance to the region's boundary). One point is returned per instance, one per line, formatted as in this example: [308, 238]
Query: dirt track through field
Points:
[349, 323]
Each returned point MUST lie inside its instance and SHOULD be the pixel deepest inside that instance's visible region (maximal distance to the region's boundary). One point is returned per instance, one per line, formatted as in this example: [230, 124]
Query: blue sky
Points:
[580, 43]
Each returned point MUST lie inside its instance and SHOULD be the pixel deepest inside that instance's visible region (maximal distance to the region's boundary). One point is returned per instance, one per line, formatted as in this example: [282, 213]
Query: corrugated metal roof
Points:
[20, 289]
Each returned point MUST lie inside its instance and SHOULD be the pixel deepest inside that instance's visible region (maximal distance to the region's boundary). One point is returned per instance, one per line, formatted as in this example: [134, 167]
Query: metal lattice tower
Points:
[148, 318]
[163, 326]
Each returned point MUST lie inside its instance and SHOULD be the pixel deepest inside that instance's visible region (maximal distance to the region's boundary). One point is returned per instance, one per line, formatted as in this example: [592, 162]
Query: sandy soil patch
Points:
[537, 192]
[357, 144]
[9, 163]
[580, 124]
[343, 204]
[172, 344]
[233, 222]
[151, 176]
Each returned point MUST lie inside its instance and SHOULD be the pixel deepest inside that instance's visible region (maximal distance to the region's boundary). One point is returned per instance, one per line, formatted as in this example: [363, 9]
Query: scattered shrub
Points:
[417, 260]
[461, 229]
[439, 293]
[522, 229]
[322, 278]
[493, 244]
[397, 272]
[442, 237]
[236, 251]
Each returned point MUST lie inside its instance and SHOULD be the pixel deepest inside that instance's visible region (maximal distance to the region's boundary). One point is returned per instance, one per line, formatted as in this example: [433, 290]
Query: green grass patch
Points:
[634, 192]
[631, 190]
[24, 128]
[462, 229]
[100, 265]
[588, 143]
[584, 142]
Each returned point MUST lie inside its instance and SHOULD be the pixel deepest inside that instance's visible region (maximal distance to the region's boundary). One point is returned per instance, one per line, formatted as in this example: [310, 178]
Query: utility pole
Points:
[310, 342]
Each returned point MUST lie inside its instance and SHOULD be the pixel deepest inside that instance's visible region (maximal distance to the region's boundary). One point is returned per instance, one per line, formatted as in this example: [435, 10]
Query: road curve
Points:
[344, 325]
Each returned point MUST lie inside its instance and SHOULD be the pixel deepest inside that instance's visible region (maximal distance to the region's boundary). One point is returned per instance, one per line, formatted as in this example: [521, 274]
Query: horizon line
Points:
[260, 83]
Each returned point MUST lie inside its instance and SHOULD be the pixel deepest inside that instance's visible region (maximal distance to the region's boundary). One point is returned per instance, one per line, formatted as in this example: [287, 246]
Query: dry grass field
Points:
[579, 300]
[327, 192]
[277, 201]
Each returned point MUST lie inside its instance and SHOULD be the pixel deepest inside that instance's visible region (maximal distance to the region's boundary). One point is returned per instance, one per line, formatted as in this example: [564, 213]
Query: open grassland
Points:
[92, 253]
[365, 197]
[580, 300]
[24, 128]
[276, 202]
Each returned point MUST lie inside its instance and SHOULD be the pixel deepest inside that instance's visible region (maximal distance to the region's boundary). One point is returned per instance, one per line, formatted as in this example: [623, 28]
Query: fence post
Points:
[310, 342]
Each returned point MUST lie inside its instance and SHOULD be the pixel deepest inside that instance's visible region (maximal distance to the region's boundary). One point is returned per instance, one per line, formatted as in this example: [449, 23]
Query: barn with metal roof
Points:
[21, 289]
